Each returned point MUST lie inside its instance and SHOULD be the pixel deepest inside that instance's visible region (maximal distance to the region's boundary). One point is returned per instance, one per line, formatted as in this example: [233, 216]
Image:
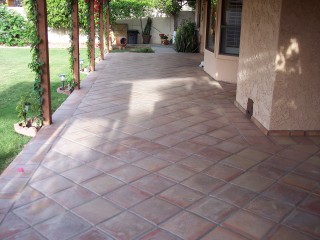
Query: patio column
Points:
[92, 36]
[101, 30]
[44, 58]
[108, 27]
[75, 41]
[278, 66]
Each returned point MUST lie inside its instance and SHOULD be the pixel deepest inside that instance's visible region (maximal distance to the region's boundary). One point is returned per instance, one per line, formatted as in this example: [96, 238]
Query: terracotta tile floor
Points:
[153, 148]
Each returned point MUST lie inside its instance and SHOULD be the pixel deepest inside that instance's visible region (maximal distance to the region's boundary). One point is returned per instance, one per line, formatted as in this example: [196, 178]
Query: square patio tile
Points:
[212, 209]
[155, 210]
[151, 164]
[304, 221]
[253, 154]
[11, 225]
[285, 193]
[81, 174]
[73, 197]
[269, 208]
[52, 185]
[181, 196]
[169, 140]
[203, 183]
[234, 195]
[153, 184]
[125, 226]
[28, 234]
[173, 154]
[311, 204]
[127, 196]
[213, 153]
[283, 232]
[268, 171]
[180, 226]
[103, 184]
[97, 210]
[220, 233]
[295, 155]
[196, 163]
[230, 147]
[159, 234]
[224, 172]
[239, 162]
[206, 140]
[61, 164]
[299, 181]
[252, 182]
[28, 195]
[128, 173]
[62, 227]
[176, 172]
[192, 147]
[39, 211]
[128, 155]
[106, 164]
[150, 147]
[309, 170]
[249, 225]
[92, 234]
[281, 163]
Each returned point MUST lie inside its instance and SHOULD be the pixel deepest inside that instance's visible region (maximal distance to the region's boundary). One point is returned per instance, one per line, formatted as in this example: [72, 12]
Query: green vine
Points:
[69, 10]
[87, 29]
[35, 65]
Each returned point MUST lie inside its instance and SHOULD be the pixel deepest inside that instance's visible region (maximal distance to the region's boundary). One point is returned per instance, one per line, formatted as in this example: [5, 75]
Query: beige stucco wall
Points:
[258, 50]
[296, 97]
[279, 65]
[221, 68]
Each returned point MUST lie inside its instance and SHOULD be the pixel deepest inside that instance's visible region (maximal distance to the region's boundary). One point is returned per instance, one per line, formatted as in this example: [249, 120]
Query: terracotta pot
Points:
[121, 41]
[146, 39]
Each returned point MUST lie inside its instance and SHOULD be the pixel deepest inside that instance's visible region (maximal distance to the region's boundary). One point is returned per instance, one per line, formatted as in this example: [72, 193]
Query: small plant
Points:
[28, 106]
[186, 40]
[143, 50]
[163, 36]
[147, 28]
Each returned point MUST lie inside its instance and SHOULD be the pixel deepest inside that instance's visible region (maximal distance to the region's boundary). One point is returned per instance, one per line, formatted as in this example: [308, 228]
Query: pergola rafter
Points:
[42, 26]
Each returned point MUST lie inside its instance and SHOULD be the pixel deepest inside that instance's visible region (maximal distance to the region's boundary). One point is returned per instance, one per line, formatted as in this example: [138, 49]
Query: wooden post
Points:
[101, 30]
[44, 58]
[109, 45]
[75, 42]
[92, 36]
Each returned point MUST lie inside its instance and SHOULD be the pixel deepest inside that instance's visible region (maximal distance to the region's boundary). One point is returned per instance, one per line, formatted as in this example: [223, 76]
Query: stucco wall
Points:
[219, 68]
[296, 97]
[258, 50]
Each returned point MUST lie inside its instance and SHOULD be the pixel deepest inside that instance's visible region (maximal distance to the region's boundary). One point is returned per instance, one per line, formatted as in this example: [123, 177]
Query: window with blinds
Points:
[230, 27]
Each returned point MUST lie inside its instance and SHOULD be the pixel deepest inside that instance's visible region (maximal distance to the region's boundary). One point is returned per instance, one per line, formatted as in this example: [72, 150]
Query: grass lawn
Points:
[15, 79]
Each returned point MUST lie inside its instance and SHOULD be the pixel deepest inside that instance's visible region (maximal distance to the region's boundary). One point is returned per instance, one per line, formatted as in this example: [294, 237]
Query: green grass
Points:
[133, 49]
[16, 79]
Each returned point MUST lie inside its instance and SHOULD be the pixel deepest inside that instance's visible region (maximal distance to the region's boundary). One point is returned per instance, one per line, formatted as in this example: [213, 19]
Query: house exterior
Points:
[270, 49]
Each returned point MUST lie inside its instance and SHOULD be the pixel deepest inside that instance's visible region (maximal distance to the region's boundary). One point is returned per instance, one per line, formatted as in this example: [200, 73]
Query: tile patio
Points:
[153, 148]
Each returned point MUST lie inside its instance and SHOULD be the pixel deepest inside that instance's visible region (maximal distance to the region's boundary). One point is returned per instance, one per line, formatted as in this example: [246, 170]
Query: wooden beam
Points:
[109, 44]
[92, 36]
[101, 30]
[44, 58]
[75, 42]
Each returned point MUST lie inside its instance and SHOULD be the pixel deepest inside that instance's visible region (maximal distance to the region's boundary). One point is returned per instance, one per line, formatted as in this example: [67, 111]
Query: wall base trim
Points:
[293, 133]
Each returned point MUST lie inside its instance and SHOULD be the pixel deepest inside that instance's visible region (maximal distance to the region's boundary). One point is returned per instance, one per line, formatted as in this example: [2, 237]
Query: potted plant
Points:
[164, 39]
[146, 32]
[28, 106]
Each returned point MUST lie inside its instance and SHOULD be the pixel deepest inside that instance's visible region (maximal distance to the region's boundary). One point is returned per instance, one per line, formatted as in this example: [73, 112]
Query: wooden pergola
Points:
[44, 52]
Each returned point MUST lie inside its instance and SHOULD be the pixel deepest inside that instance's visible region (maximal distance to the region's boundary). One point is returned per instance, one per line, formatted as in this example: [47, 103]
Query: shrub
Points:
[14, 29]
[186, 38]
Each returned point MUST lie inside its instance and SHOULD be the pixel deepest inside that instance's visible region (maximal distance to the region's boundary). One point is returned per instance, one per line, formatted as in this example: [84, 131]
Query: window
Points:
[230, 27]
[211, 23]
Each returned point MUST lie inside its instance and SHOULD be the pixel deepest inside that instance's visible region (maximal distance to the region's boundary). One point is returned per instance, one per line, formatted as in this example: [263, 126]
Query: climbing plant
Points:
[35, 65]
[68, 10]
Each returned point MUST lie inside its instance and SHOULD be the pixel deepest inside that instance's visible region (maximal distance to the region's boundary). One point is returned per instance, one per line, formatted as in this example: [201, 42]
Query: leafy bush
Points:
[14, 29]
[186, 38]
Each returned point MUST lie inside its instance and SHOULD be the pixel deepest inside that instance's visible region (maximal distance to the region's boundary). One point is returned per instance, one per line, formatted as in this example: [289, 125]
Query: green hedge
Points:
[14, 29]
